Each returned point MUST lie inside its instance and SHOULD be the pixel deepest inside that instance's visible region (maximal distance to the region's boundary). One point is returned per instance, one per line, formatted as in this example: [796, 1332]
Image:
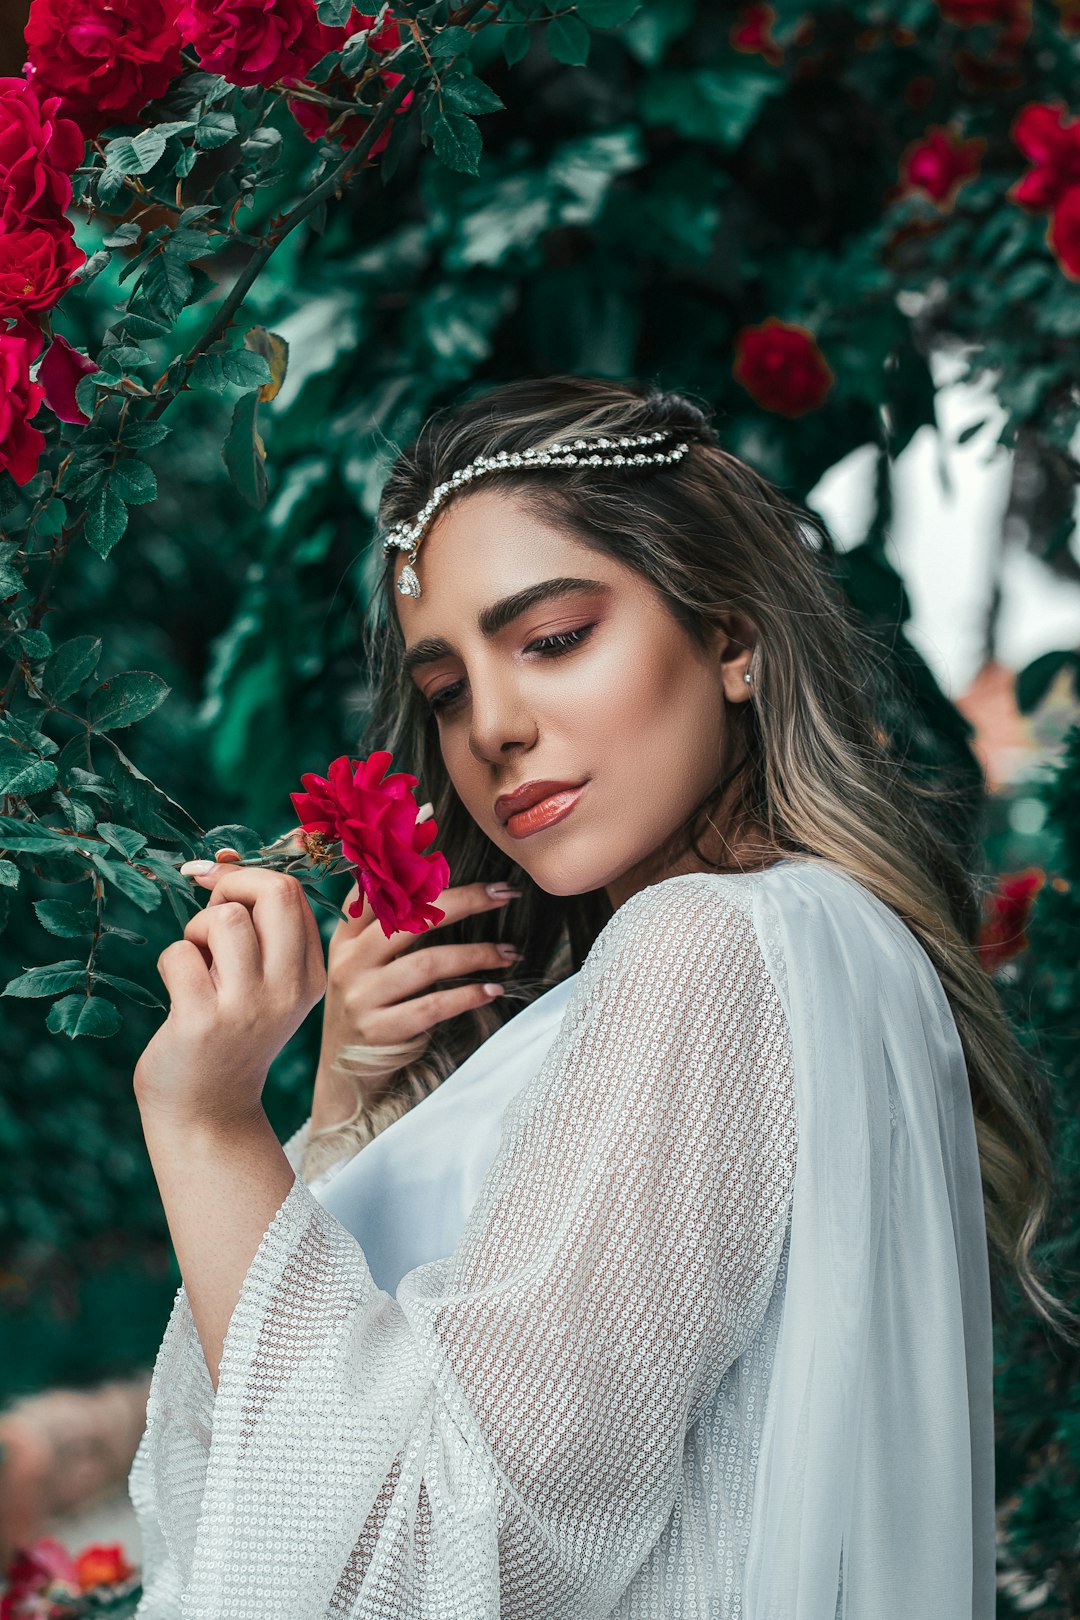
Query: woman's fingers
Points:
[283, 921]
[234, 947]
[410, 1018]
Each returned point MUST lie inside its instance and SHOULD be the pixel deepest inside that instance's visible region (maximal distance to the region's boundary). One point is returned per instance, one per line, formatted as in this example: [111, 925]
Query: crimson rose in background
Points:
[257, 41]
[105, 61]
[373, 817]
[939, 162]
[781, 367]
[20, 399]
[39, 151]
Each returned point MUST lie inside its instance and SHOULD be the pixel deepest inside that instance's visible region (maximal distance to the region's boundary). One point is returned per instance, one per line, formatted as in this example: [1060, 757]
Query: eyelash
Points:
[553, 646]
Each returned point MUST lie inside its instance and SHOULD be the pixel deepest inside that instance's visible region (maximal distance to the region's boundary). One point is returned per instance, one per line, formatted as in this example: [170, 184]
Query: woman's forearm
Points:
[221, 1188]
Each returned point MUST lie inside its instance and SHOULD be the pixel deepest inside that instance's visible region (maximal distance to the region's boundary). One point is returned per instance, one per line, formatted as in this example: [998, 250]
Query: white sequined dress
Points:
[671, 1303]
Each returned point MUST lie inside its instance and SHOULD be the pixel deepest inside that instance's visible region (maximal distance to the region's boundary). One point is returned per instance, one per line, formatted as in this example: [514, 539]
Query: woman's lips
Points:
[545, 813]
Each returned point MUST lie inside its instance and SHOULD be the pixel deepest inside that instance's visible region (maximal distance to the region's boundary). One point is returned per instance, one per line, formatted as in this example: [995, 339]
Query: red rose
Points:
[20, 399]
[939, 163]
[781, 367]
[38, 152]
[60, 373]
[257, 41]
[36, 266]
[1063, 233]
[1006, 916]
[374, 818]
[1051, 141]
[752, 32]
[1070, 16]
[102, 1566]
[105, 58]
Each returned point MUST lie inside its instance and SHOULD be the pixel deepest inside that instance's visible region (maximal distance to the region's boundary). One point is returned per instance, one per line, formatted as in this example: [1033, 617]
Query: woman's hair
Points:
[810, 761]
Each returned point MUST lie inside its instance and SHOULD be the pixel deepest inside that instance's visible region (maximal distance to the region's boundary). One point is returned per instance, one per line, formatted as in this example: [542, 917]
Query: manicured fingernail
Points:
[493, 989]
[425, 811]
[196, 868]
[503, 891]
[228, 854]
[511, 952]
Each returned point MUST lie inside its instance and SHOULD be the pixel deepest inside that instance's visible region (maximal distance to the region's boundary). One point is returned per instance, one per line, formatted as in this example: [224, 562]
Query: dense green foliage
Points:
[645, 195]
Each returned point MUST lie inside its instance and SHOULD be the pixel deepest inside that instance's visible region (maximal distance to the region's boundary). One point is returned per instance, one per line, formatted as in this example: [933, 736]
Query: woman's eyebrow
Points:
[490, 620]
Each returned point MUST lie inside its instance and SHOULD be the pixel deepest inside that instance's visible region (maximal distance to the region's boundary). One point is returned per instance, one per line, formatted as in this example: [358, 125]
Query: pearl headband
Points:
[407, 535]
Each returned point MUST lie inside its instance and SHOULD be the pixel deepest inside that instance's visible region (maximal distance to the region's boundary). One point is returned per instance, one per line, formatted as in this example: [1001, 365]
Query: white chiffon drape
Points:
[673, 1298]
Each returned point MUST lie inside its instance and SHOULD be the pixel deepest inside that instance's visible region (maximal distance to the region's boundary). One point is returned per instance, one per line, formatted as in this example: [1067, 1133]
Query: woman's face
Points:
[592, 684]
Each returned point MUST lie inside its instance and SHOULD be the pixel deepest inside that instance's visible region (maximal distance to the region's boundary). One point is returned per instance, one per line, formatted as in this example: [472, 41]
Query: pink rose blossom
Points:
[60, 373]
[38, 152]
[105, 58]
[373, 816]
[20, 399]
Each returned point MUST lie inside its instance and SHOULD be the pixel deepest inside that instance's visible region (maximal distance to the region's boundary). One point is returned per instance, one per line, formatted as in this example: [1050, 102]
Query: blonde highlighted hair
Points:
[813, 759]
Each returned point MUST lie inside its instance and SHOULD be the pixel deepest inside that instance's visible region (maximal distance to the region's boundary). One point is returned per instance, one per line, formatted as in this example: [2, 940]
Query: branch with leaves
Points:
[162, 159]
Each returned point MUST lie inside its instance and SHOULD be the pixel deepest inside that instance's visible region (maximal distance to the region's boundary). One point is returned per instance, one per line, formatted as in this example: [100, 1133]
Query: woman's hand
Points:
[241, 981]
[379, 991]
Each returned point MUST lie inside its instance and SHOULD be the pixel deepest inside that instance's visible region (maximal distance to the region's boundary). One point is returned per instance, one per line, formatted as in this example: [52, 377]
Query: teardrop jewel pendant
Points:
[408, 584]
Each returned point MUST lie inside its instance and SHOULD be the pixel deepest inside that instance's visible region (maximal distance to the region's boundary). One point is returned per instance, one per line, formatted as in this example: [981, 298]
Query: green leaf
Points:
[125, 698]
[354, 54]
[166, 284]
[9, 874]
[106, 519]
[10, 581]
[124, 839]
[135, 154]
[215, 128]
[143, 435]
[51, 519]
[142, 890]
[516, 42]
[83, 1015]
[71, 664]
[34, 643]
[1035, 679]
[47, 981]
[207, 372]
[607, 13]
[146, 804]
[246, 369]
[457, 141]
[709, 104]
[125, 234]
[568, 40]
[32, 838]
[334, 13]
[23, 778]
[471, 95]
[61, 917]
[128, 987]
[244, 453]
[450, 42]
[134, 482]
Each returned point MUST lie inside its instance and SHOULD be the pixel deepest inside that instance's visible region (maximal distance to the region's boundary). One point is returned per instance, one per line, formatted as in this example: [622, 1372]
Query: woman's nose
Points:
[500, 722]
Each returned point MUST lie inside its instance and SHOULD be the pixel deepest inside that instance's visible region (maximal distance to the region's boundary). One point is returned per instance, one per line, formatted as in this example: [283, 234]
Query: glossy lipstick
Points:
[544, 813]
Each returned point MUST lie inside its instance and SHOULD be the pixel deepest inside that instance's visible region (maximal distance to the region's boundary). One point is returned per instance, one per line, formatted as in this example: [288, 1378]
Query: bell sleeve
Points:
[505, 1436]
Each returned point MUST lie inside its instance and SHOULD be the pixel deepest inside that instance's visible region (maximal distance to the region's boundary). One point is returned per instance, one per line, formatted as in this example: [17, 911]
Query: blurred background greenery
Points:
[708, 167]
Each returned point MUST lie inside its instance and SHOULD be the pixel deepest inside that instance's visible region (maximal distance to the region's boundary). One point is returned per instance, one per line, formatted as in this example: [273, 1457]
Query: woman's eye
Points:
[547, 646]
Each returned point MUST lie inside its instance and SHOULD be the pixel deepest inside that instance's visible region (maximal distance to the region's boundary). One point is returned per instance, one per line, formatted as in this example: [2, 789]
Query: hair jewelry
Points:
[408, 534]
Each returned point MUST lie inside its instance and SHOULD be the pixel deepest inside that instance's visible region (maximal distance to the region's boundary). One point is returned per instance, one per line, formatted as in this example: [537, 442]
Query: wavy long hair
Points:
[811, 759]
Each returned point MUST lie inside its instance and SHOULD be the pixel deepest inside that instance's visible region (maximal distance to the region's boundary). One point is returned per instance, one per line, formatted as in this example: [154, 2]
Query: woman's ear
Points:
[733, 644]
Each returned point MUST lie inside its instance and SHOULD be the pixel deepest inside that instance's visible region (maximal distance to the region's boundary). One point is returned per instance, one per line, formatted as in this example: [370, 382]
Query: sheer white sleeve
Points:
[505, 1437]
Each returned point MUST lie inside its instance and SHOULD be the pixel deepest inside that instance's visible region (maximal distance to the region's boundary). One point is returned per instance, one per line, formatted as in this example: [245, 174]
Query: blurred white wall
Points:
[949, 500]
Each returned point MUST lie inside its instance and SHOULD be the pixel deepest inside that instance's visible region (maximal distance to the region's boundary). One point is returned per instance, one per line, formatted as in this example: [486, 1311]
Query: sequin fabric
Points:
[560, 1419]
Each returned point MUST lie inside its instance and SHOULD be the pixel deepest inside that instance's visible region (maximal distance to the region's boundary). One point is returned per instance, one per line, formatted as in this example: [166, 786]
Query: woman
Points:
[669, 1294]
